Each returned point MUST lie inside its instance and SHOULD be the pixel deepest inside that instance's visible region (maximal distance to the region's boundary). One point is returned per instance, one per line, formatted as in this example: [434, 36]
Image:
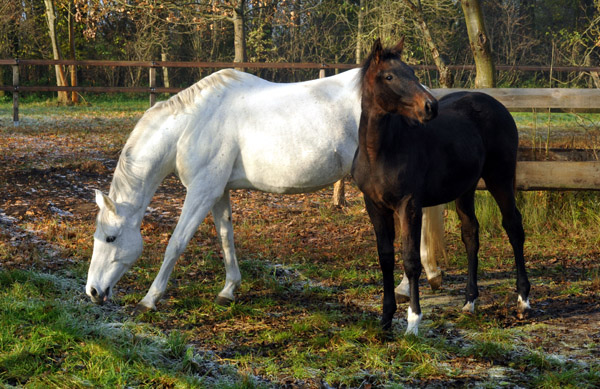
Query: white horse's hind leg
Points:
[222, 215]
[432, 245]
[199, 200]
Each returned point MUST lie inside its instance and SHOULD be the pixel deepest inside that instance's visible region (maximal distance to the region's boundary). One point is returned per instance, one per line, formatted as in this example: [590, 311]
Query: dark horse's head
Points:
[392, 87]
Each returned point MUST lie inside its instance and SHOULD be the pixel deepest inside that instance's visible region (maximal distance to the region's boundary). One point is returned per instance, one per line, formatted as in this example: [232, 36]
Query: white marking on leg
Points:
[413, 322]
[522, 305]
[469, 307]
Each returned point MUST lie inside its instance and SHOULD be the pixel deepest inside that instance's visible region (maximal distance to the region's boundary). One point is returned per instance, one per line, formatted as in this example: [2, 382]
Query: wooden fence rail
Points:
[531, 175]
[529, 99]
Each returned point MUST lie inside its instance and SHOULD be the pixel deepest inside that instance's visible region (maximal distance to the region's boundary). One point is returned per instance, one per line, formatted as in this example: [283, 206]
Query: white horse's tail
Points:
[433, 245]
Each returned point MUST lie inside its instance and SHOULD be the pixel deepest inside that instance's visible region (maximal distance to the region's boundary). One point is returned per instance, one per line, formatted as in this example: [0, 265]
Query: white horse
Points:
[231, 130]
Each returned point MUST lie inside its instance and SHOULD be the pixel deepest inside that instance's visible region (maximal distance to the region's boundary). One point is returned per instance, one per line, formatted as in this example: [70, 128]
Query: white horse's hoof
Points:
[141, 308]
[469, 307]
[224, 301]
[435, 282]
[401, 298]
[402, 291]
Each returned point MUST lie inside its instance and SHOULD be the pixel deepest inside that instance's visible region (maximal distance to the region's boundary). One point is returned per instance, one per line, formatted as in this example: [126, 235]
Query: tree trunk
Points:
[73, 69]
[163, 57]
[594, 75]
[239, 33]
[61, 79]
[480, 44]
[446, 79]
[361, 16]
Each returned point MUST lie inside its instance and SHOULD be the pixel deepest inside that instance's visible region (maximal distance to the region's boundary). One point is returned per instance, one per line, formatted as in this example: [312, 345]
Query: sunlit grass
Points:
[49, 336]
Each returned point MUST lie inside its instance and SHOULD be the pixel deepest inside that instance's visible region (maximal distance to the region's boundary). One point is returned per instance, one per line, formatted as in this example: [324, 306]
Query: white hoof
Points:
[469, 307]
[413, 323]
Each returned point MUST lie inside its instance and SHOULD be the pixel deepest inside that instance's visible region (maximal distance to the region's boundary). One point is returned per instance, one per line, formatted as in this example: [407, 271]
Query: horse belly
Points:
[448, 192]
[448, 181]
[290, 172]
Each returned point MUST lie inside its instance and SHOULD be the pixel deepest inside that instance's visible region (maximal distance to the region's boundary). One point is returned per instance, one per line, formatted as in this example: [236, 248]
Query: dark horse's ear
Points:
[376, 51]
[399, 47]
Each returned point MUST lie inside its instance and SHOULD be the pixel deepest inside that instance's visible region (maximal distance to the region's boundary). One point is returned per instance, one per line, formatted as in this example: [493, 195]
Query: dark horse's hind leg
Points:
[513, 225]
[383, 224]
[465, 207]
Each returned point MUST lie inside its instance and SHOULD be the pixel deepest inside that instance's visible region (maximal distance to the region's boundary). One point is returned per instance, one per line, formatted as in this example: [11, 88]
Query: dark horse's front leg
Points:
[410, 214]
[382, 219]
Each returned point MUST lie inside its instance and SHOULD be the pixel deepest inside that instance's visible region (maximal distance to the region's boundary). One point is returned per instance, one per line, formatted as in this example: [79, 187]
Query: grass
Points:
[51, 336]
[309, 306]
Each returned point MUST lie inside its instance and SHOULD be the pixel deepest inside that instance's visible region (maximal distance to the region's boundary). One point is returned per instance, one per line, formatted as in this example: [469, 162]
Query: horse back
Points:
[495, 124]
[496, 127]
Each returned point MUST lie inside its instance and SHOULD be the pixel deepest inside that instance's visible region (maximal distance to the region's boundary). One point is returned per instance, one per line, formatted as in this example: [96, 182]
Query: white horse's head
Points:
[117, 245]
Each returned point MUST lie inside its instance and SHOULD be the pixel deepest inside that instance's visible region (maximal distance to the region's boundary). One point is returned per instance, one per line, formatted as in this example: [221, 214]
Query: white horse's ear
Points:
[104, 201]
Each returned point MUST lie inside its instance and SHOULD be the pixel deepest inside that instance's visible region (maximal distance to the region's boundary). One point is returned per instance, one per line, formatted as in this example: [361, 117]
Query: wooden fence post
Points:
[152, 74]
[16, 94]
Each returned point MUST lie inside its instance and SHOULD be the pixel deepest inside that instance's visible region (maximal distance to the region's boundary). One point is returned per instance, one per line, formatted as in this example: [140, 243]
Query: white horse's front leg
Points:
[195, 208]
[432, 245]
[222, 216]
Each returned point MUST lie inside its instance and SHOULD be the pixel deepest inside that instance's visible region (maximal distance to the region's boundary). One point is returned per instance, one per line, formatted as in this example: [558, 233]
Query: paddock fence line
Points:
[531, 175]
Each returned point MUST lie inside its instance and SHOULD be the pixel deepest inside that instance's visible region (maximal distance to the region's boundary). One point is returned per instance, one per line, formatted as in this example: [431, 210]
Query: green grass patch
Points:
[49, 336]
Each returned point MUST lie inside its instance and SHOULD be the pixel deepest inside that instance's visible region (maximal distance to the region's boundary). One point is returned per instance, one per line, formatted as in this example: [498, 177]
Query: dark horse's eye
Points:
[110, 239]
[389, 77]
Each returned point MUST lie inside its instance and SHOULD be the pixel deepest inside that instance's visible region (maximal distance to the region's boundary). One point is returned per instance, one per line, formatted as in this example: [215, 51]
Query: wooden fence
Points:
[531, 175]
[548, 175]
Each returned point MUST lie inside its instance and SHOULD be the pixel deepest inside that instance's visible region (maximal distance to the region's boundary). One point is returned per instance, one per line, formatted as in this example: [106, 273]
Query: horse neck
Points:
[369, 130]
[147, 158]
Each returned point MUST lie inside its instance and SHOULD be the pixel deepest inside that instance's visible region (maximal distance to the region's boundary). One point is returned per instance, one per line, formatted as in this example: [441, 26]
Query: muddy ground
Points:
[46, 177]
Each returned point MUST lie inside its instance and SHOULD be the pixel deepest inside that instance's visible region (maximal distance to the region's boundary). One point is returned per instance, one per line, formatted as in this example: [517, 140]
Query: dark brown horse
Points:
[416, 152]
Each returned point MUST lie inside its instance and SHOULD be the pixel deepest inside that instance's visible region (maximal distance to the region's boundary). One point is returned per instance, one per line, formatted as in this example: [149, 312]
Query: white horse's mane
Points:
[187, 97]
[125, 177]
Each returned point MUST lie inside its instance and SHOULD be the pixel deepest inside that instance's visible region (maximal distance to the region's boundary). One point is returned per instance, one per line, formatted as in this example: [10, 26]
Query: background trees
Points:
[519, 32]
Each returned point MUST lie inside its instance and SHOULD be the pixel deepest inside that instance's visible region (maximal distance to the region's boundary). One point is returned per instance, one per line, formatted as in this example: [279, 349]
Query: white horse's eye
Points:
[110, 239]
